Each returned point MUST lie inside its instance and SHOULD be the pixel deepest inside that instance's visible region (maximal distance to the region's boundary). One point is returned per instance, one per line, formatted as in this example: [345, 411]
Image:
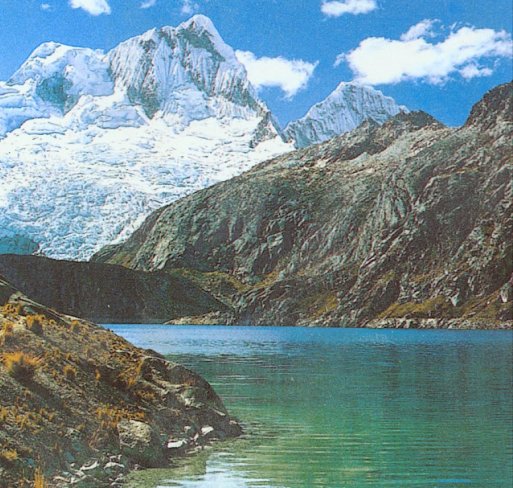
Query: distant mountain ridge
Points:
[92, 142]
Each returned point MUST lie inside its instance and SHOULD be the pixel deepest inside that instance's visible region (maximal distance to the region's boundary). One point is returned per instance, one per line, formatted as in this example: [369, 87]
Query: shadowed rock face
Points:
[92, 401]
[105, 293]
[408, 219]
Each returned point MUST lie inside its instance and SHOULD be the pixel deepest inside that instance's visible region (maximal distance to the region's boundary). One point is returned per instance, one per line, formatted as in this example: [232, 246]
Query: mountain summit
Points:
[186, 73]
[342, 111]
[91, 142]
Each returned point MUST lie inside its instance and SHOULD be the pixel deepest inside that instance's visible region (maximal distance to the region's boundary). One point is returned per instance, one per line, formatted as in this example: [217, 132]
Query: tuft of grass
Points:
[8, 455]
[35, 324]
[75, 326]
[70, 373]
[7, 333]
[4, 412]
[21, 366]
[11, 309]
[39, 479]
[7, 328]
[109, 416]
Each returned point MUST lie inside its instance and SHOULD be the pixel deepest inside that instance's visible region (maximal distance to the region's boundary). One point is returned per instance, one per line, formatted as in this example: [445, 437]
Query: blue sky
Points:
[440, 56]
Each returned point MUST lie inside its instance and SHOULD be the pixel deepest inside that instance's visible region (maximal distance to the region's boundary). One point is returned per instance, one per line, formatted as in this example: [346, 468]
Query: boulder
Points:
[138, 441]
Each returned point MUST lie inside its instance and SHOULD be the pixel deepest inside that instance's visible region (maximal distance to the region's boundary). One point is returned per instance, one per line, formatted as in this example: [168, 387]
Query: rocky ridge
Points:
[107, 294]
[81, 406]
[407, 220]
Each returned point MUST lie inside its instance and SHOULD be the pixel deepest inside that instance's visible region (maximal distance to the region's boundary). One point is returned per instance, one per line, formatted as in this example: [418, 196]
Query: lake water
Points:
[347, 407]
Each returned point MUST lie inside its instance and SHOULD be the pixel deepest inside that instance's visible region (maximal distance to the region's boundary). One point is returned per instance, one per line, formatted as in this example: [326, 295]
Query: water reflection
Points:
[348, 408]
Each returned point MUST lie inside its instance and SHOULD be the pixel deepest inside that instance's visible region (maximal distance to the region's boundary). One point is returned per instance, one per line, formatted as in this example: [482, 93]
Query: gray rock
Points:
[138, 441]
[177, 444]
[113, 466]
[91, 467]
[506, 293]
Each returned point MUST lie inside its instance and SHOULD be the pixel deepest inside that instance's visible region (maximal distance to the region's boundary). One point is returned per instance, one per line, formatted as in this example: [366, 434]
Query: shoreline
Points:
[398, 323]
[111, 469]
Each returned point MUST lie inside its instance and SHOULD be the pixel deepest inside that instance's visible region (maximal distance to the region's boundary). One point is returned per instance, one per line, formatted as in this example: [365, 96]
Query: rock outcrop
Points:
[409, 219]
[81, 406]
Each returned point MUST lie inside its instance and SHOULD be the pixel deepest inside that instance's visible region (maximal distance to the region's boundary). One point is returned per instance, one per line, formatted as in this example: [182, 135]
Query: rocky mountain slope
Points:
[386, 225]
[105, 293]
[92, 142]
[342, 111]
[80, 406]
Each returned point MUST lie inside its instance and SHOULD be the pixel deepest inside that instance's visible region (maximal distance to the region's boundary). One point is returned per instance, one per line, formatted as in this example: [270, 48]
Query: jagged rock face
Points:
[104, 293]
[342, 111]
[407, 219]
[103, 139]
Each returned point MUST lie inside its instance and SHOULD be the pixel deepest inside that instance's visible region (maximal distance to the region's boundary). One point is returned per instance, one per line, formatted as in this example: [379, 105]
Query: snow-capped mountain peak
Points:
[342, 111]
[106, 138]
[50, 83]
[57, 69]
[187, 71]
[202, 25]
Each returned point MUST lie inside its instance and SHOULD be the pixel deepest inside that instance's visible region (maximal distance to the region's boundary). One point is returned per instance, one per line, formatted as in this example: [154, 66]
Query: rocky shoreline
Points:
[388, 323]
[81, 406]
[111, 469]
[461, 324]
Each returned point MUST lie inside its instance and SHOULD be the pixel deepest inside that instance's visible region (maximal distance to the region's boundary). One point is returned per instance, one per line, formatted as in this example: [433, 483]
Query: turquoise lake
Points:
[347, 407]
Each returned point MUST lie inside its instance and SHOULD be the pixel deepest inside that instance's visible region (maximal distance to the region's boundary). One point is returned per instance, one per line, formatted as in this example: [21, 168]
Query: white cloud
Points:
[148, 3]
[93, 7]
[474, 71]
[378, 60]
[288, 75]
[189, 7]
[336, 8]
[46, 7]
[423, 29]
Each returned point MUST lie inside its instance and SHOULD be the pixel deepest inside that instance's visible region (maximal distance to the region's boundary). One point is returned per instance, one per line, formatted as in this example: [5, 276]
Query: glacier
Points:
[343, 110]
[92, 142]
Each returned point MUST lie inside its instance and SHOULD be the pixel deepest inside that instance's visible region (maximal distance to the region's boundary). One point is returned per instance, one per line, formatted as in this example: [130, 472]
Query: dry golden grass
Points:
[35, 323]
[20, 365]
[39, 479]
[110, 416]
[11, 309]
[4, 412]
[75, 326]
[7, 328]
[9, 455]
[7, 333]
[70, 373]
